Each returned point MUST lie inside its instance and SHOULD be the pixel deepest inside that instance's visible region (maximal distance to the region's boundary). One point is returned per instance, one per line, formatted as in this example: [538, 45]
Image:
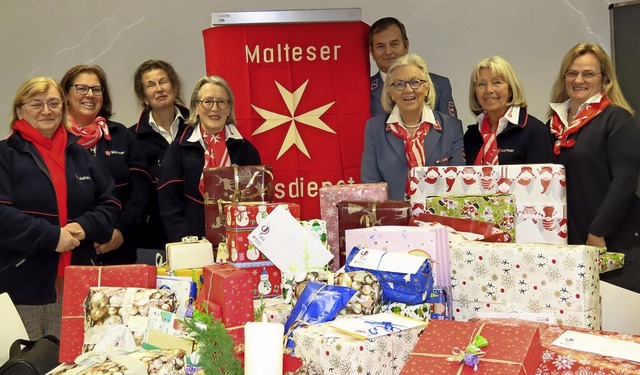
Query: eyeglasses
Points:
[84, 89]
[586, 75]
[414, 84]
[36, 105]
[208, 103]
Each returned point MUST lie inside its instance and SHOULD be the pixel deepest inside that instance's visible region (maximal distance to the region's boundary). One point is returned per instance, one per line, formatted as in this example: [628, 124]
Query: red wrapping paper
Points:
[230, 288]
[224, 185]
[511, 350]
[77, 281]
[266, 278]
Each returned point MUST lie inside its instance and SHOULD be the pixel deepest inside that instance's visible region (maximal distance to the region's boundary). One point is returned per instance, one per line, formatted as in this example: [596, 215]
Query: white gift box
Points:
[544, 282]
[539, 191]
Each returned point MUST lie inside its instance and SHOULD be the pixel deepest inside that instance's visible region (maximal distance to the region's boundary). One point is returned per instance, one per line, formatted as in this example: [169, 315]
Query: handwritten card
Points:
[288, 244]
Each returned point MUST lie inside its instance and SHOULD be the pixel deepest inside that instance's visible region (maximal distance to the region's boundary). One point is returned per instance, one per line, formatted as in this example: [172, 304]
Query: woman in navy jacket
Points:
[117, 149]
[505, 132]
[56, 200]
[213, 138]
[158, 88]
[413, 135]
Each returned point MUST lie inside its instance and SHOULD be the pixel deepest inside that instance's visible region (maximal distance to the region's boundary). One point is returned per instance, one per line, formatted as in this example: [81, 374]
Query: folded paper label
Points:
[385, 261]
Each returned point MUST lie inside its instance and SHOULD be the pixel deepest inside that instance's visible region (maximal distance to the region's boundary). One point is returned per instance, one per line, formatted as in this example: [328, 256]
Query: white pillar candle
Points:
[263, 348]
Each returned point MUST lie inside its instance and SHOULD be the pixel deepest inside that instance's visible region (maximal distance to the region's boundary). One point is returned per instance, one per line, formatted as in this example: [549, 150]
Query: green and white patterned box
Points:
[610, 261]
[497, 209]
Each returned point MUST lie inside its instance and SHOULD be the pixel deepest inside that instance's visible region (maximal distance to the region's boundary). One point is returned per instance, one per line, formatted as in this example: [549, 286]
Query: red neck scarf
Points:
[413, 145]
[53, 153]
[562, 134]
[488, 154]
[90, 134]
[215, 153]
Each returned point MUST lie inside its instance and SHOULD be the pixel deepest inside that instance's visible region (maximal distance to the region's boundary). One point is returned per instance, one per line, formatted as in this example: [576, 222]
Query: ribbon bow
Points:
[472, 353]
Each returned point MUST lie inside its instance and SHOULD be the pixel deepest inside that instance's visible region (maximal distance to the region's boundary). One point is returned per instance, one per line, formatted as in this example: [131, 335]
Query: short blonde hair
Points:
[610, 84]
[214, 80]
[34, 86]
[500, 67]
[406, 60]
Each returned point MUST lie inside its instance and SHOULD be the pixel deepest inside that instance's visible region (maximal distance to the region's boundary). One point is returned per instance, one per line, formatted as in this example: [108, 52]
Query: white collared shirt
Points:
[383, 75]
[511, 116]
[230, 131]
[175, 126]
[562, 109]
[427, 116]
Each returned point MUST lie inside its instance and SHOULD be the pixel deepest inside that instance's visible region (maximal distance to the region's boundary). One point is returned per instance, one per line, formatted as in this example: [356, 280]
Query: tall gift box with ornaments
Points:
[224, 185]
[555, 283]
[330, 195]
[539, 191]
[77, 281]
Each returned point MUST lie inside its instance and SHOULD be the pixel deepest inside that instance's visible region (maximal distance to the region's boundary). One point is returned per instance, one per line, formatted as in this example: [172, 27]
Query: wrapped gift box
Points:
[438, 307]
[510, 349]
[107, 307]
[241, 220]
[539, 191]
[184, 288]
[194, 273]
[489, 208]
[547, 281]
[77, 281]
[316, 228]
[330, 195]
[230, 288]
[364, 214]
[610, 261]
[430, 241]
[265, 278]
[565, 361]
[293, 283]
[276, 310]
[153, 362]
[225, 185]
[330, 352]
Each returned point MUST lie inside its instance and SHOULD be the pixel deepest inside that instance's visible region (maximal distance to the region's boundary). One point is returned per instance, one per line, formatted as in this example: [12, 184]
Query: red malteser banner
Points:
[302, 98]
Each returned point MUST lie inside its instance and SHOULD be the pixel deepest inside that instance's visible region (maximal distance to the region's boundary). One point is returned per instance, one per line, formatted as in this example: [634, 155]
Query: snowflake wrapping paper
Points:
[539, 191]
[561, 280]
[489, 208]
[383, 355]
[330, 195]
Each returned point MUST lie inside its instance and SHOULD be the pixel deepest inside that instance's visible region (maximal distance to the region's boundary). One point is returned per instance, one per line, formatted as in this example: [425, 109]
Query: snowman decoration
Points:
[262, 214]
[242, 216]
[264, 286]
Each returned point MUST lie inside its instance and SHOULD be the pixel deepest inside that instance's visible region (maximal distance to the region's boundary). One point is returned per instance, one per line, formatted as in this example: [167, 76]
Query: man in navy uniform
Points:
[387, 41]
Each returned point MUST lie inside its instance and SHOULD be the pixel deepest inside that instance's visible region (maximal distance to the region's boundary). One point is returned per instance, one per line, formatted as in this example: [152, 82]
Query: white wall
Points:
[48, 37]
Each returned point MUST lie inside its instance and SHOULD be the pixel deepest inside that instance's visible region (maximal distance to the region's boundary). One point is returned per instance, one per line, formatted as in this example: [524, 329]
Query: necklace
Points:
[411, 127]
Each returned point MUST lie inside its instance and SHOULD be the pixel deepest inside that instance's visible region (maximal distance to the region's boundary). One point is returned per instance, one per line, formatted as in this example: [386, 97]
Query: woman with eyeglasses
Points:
[56, 201]
[598, 141]
[505, 132]
[163, 119]
[413, 134]
[212, 141]
[89, 101]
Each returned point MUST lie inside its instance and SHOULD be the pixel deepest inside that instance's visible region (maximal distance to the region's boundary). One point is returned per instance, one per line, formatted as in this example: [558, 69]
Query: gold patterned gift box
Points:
[559, 283]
